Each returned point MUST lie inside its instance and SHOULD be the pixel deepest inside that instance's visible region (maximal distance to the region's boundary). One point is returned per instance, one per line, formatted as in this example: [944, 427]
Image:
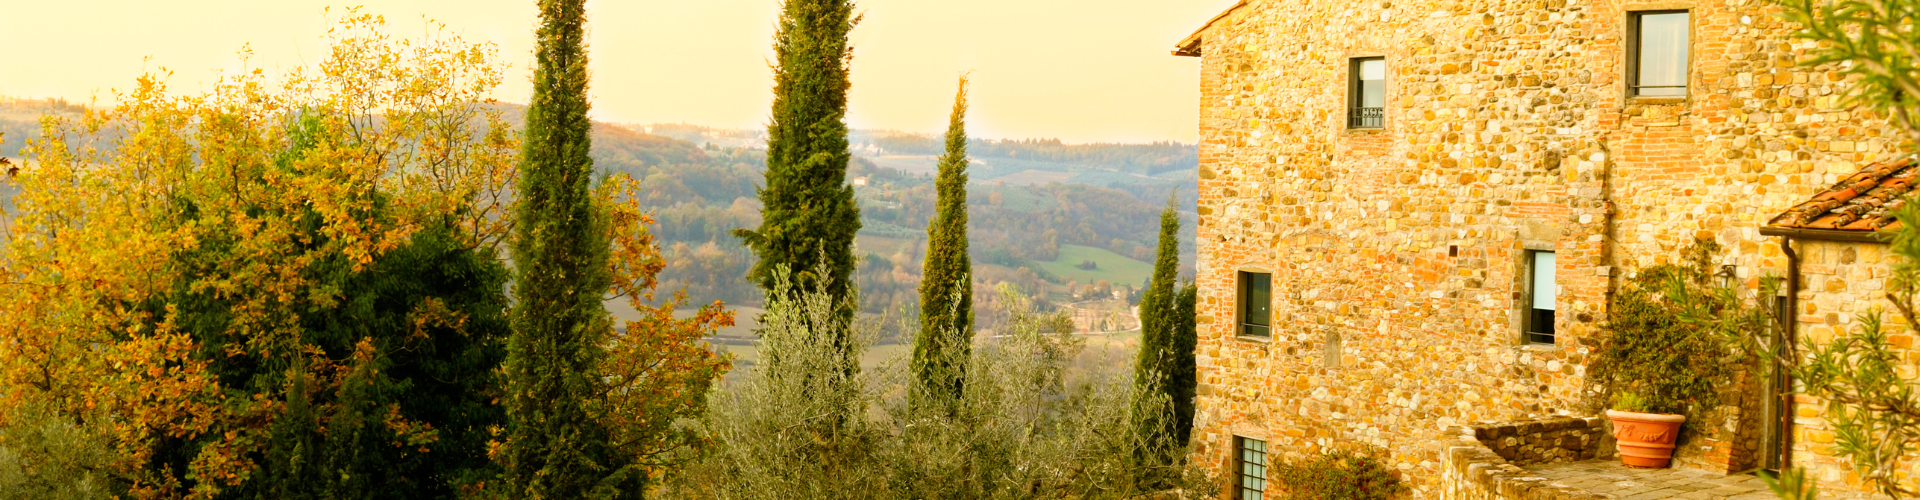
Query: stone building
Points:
[1412, 214]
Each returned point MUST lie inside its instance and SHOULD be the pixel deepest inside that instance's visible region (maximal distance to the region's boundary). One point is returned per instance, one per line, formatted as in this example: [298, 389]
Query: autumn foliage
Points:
[295, 285]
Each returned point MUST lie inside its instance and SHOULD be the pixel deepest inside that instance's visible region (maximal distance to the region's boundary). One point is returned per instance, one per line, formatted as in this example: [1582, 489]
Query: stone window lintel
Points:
[1637, 6]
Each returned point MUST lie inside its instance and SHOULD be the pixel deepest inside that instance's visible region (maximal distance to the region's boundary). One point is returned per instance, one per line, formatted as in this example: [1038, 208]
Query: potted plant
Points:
[1667, 353]
[1644, 439]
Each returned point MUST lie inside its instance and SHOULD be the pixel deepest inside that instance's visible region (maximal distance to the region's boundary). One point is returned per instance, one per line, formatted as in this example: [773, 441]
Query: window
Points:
[1250, 460]
[1256, 301]
[1657, 53]
[1368, 106]
[1540, 294]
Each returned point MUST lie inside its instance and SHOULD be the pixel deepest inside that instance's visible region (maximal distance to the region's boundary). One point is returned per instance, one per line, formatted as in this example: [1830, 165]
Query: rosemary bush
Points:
[44, 455]
[1339, 475]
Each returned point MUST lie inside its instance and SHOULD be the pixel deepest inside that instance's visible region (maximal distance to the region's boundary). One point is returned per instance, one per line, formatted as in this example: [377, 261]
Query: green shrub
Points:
[1659, 344]
[1024, 427]
[44, 455]
[1628, 401]
[1339, 475]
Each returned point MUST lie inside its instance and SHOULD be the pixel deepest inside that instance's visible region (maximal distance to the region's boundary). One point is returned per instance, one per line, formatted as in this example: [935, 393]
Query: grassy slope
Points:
[1114, 268]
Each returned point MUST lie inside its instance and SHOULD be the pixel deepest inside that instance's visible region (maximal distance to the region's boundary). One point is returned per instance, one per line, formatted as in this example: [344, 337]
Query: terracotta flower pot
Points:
[1645, 439]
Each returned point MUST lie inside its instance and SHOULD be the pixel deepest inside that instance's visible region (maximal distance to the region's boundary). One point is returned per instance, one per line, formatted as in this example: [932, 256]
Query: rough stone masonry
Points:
[1397, 253]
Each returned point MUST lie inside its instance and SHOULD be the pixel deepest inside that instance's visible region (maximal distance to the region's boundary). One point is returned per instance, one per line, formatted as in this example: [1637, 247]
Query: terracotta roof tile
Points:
[1864, 201]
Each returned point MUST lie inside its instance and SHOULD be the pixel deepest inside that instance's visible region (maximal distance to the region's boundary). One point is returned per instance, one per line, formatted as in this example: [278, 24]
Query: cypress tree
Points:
[941, 350]
[555, 447]
[809, 215]
[1165, 364]
[1182, 377]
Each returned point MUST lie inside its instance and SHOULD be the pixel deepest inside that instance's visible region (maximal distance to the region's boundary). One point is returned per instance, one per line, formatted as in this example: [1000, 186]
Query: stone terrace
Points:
[1609, 479]
[1568, 458]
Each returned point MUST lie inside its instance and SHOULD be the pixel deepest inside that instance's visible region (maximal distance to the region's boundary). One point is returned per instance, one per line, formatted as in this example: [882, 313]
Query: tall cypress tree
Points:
[809, 215]
[1166, 361]
[555, 446]
[941, 350]
[1182, 377]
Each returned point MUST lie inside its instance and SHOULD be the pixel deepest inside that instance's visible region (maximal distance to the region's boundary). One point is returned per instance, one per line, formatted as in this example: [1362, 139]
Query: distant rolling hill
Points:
[1038, 208]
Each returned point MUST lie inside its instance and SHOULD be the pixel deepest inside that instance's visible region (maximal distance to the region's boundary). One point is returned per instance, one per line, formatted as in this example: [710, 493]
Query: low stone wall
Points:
[1483, 461]
[1544, 441]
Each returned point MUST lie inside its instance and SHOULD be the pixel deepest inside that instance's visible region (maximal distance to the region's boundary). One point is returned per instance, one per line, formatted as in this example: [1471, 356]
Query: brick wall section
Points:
[1507, 129]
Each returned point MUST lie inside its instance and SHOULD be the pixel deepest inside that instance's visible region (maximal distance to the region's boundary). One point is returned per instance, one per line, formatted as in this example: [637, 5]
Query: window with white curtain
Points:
[1542, 289]
[1657, 53]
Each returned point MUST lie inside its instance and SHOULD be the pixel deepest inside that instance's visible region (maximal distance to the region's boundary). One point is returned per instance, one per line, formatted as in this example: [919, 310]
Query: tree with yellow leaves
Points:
[295, 287]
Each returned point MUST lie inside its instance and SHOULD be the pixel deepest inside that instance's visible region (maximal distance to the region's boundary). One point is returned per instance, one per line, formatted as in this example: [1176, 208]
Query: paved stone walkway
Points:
[1608, 477]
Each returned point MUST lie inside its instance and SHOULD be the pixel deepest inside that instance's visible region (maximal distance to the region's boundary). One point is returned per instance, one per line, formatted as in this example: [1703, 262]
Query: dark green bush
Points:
[1670, 338]
[1339, 475]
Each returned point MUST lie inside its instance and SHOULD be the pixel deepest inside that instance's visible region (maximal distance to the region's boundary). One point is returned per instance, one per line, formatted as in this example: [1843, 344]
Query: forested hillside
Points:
[700, 195]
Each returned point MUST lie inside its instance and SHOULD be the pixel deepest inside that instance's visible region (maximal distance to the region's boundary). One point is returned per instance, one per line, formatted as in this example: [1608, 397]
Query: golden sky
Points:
[1078, 70]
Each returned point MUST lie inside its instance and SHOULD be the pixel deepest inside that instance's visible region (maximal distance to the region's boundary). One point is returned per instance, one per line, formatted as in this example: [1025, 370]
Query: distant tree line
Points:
[1151, 158]
[20, 120]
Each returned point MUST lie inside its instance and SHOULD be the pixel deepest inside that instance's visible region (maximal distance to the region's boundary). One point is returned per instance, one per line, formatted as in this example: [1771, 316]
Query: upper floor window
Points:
[1368, 86]
[1256, 299]
[1657, 53]
[1541, 291]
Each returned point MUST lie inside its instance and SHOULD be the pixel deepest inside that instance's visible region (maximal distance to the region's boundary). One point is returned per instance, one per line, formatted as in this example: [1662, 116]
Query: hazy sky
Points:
[1078, 70]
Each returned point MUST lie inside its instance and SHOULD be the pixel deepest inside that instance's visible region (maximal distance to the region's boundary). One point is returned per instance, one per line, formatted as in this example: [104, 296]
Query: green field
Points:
[1032, 177]
[747, 355]
[908, 164]
[1114, 268]
[743, 317]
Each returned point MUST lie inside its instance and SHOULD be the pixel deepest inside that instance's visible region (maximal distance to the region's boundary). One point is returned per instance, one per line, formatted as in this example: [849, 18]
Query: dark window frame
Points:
[1360, 117]
[1245, 480]
[1633, 55]
[1243, 300]
[1529, 317]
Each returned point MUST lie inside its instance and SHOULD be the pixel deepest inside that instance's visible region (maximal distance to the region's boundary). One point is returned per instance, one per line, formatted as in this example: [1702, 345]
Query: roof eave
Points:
[1840, 235]
[1190, 46]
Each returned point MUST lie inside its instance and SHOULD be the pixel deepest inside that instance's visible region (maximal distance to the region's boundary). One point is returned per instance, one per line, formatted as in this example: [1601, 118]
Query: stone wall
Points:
[1727, 440]
[1544, 440]
[1841, 281]
[1396, 251]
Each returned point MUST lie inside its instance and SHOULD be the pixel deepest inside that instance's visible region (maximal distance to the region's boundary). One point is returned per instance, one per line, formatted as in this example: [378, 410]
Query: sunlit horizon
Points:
[1077, 70]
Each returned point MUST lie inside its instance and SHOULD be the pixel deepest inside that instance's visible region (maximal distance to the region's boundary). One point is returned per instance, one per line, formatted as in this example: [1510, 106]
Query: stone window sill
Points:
[1538, 347]
[1367, 130]
[1655, 101]
[1258, 339]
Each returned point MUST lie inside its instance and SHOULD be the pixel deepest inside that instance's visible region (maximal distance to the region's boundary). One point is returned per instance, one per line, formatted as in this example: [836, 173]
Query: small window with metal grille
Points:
[1256, 302]
[1250, 465]
[1367, 108]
